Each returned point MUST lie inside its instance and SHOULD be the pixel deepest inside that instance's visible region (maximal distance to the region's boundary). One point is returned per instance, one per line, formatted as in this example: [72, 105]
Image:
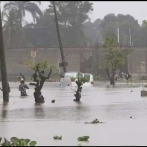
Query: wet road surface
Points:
[22, 117]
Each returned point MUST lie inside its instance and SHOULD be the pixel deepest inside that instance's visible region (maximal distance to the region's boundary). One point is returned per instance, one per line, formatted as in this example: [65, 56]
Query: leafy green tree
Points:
[80, 81]
[71, 16]
[71, 12]
[110, 23]
[114, 58]
[39, 77]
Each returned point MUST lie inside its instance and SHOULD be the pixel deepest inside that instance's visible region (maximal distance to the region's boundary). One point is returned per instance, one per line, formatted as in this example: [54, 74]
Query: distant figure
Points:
[53, 101]
[131, 117]
[21, 77]
[22, 88]
[122, 75]
[127, 76]
[8, 88]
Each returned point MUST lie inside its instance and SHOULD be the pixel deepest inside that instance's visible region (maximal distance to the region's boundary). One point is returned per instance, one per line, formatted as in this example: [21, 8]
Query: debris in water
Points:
[53, 101]
[96, 121]
[57, 137]
[83, 138]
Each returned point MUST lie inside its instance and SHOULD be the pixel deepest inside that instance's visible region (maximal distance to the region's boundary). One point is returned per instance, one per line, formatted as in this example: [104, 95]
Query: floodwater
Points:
[114, 106]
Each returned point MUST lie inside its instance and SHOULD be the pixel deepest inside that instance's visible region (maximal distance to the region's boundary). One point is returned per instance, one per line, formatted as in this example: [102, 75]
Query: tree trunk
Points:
[112, 81]
[39, 85]
[78, 92]
[111, 78]
[107, 70]
[3, 64]
[38, 96]
[78, 95]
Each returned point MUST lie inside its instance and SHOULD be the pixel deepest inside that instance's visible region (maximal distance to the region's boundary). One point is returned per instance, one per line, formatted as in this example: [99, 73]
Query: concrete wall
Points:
[137, 62]
[16, 58]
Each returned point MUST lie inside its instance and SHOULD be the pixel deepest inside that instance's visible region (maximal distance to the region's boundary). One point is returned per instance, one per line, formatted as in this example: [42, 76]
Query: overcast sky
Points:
[138, 9]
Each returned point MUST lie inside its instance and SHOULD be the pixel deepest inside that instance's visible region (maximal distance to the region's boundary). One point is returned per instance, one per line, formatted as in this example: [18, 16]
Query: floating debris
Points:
[83, 138]
[57, 137]
[96, 121]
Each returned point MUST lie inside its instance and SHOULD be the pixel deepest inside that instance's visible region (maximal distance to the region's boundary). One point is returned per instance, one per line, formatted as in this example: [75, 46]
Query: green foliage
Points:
[110, 23]
[83, 138]
[71, 12]
[72, 78]
[144, 22]
[14, 13]
[41, 66]
[110, 31]
[11, 27]
[81, 79]
[84, 80]
[22, 7]
[14, 141]
[114, 58]
[107, 27]
[71, 16]
[57, 137]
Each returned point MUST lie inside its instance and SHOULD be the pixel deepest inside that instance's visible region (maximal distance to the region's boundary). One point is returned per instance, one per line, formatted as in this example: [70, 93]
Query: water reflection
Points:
[39, 113]
[4, 112]
[103, 103]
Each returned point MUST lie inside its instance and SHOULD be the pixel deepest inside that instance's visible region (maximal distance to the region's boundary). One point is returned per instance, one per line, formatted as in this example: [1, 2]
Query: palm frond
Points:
[34, 8]
[10, 5]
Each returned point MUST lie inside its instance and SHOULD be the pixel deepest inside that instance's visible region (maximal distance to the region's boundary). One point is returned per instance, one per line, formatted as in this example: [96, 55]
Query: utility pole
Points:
[131, 69]
[59, 38]
[96, 50]
[118, 35]
[130, 37]
[3, 64]
[97, 53]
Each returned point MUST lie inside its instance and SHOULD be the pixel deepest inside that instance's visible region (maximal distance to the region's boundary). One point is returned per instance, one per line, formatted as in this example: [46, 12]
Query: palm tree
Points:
[23, 6]
[16, 11]
[11, 24]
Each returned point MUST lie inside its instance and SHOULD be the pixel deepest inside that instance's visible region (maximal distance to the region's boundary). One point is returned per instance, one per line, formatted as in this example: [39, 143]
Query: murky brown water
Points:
[112, 105]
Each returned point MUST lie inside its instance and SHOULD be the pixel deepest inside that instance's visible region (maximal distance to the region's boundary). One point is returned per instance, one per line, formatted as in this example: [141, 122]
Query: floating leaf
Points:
[27, 141]
[57, 137]
[83, 138]
[14, 140]
[32, 143]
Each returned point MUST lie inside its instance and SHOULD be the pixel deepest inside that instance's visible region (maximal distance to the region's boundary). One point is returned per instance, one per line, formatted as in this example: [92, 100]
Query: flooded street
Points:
[114, 106]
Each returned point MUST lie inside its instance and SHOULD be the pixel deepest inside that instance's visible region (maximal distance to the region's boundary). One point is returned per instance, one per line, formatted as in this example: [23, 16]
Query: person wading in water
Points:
[22, 88]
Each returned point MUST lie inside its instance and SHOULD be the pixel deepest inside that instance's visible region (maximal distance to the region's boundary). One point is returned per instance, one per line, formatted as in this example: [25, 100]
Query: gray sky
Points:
[138, 9]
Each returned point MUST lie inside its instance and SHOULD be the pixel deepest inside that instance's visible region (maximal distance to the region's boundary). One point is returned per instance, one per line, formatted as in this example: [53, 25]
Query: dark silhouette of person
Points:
[22, 88]
[21, 77]
[128, 76]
